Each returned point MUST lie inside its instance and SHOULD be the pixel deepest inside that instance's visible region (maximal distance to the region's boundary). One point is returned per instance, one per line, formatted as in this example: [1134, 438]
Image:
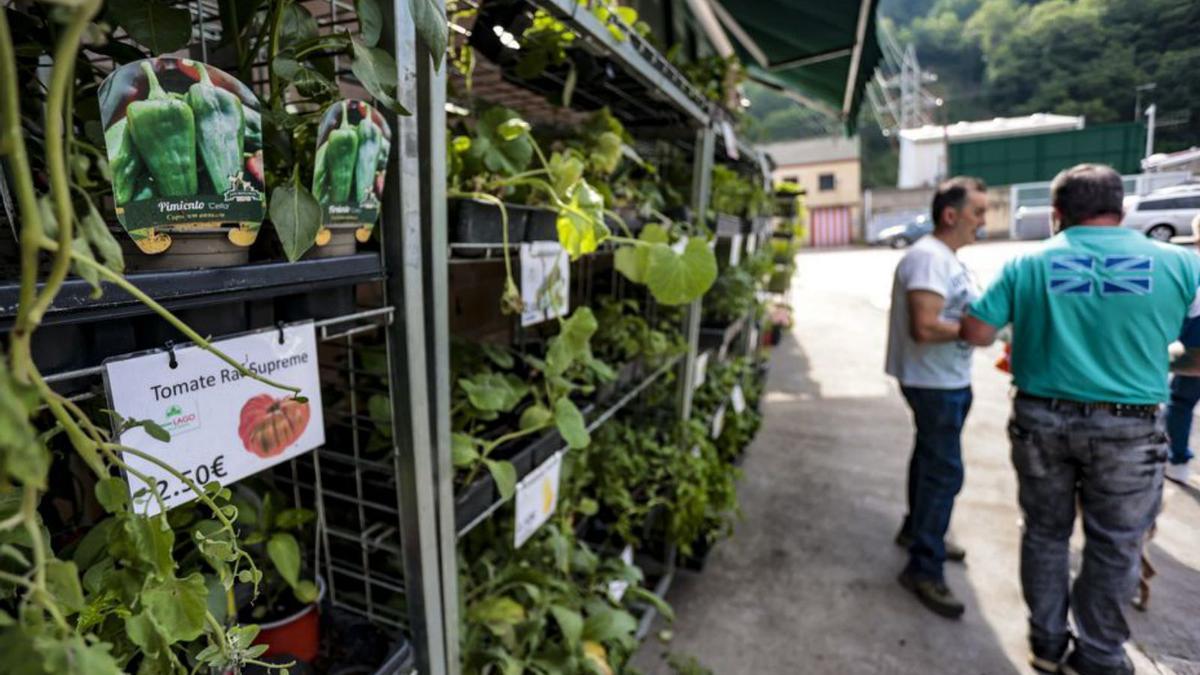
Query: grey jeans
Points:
[1113, 468]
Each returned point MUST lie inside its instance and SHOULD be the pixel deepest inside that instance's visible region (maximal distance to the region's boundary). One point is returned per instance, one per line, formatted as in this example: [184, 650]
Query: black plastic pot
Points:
[545, 446]
[471, 501]
[627, 376]
[471, 221]
[540, 224]
[342, 242]
[701, 550]
[190, 249]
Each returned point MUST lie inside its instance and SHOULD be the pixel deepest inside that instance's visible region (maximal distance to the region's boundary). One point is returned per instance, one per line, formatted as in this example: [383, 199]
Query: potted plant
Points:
[286, 609]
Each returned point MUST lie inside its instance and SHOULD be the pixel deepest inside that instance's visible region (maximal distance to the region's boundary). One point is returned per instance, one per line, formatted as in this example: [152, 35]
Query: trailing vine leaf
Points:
[62, 580]
[570, 622]
[491, 151]
[505, 475]
[22, 455]
[297, 219]
[429, 17]
[101, 239]
[370, 21]
[462, 450]
[160, 28]
[634, 261]
[676, 279]
[572, 342]
[498, 613]
[566, 169]
[499, 392]
[308, 81]
[178, 606]
[376, 70]
[535, 417]
[570, 424]
[73, 655]
[581, 227]
[606, 624]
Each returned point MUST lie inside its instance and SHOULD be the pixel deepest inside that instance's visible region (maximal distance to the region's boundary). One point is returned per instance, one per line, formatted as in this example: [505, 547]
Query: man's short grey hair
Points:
[952, 194]
[1087, 191]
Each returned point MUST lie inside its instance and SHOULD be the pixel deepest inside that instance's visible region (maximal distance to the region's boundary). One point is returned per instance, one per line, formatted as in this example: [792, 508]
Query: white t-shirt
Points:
[930, 265]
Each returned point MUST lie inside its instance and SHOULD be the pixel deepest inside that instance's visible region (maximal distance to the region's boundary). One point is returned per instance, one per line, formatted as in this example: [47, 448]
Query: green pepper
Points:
[164, 131]
[335, 163]
[253, 130]
[123, 161]
[221, 129]
[370, 145]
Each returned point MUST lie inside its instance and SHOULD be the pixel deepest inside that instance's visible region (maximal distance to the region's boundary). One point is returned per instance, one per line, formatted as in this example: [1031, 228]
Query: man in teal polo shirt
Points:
[1093, 312]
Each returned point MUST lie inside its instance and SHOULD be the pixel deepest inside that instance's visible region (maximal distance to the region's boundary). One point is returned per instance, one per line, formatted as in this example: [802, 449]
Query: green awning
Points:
[820, 51]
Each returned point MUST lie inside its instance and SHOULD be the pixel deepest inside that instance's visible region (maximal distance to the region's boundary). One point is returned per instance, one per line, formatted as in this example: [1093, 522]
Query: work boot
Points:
[934, 594]
[954, 552]
[1077, 664]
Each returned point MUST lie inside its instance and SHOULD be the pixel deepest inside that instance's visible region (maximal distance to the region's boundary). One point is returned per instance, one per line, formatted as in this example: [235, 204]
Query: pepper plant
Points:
[130, 595]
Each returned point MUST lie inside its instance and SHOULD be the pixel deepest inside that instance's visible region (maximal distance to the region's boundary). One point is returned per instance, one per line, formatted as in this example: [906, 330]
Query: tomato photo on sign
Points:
[268, 425]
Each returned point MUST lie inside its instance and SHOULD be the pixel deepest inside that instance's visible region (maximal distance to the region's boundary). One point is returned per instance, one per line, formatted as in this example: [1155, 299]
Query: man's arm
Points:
[977, 332]
[925, 318]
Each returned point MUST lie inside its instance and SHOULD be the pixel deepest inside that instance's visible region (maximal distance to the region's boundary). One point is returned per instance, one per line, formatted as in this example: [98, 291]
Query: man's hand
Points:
[977, 332]
[1187, 363]
[925, 318]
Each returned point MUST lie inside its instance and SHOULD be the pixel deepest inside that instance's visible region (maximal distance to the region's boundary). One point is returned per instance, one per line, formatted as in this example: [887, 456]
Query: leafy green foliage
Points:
[296, 216]
[732, 296]
[495, 152]
[155, 25]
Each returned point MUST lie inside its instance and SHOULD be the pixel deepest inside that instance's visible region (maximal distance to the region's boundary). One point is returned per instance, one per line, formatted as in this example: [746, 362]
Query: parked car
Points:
[1164, 213]
[904, 234]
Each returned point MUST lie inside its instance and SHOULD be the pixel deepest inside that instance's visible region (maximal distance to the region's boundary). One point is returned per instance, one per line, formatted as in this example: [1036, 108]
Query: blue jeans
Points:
[935, 474]
[1185, 393]
[1113, 468]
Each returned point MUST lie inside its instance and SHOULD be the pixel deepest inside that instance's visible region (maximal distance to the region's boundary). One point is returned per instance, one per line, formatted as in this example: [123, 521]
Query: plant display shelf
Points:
[649, 75]
[720, 338]
[181, 289]
[473, 520]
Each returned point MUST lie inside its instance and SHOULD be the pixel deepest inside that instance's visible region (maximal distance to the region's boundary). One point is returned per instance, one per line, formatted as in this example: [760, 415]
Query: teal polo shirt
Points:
[1093, 312]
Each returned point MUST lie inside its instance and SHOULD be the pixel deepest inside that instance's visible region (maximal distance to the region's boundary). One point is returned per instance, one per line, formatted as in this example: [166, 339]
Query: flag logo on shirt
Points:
[1117, 275]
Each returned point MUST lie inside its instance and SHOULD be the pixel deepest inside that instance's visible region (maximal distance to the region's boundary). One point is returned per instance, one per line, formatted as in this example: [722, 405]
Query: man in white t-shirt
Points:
[930, 292]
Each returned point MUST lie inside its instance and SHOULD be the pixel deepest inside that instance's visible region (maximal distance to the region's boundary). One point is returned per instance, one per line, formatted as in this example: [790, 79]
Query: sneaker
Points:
[954, 552]
[1078, 665]
[1180, 473]
[934, 594]
[1043, 664]
[1046, 656]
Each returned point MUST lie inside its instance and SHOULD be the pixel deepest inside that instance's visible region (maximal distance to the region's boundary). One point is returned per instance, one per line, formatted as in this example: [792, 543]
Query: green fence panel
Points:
[1028, 159]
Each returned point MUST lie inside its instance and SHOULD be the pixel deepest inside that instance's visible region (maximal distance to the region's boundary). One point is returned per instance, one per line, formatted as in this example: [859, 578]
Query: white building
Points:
[923, 149]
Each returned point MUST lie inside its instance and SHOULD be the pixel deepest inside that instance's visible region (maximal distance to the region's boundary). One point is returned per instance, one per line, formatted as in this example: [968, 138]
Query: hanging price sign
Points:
[537, 498]
[209, 422]
[545, 280]
[718, 423]
[617, 587]
[738, 399]
[701, 370]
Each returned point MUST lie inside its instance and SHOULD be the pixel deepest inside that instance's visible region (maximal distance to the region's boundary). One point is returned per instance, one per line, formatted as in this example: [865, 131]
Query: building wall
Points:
[847, 190]
[922, 162]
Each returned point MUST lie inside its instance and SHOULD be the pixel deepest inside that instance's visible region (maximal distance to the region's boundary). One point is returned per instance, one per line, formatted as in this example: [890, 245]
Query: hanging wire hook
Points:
[172, 361]
[279, 325]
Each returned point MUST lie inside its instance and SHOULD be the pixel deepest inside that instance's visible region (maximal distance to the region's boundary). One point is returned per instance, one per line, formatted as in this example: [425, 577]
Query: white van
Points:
[1165, 213]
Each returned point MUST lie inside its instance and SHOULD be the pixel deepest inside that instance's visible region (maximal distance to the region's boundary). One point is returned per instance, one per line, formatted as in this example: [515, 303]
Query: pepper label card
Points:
[211, 423]
[184, 144]
[353, 142]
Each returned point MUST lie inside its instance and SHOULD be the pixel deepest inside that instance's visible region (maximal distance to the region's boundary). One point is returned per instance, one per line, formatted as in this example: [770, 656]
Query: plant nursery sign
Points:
[739, 399]
[537, 498]
[353, 142]
[545, 280]
[223, 426]
[184, 144]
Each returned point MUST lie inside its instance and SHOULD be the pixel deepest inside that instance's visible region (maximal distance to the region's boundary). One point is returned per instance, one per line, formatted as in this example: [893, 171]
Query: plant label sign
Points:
[617, 587]
[731, 146]
[739, 399]
[718, 422]
[353, 143]
[537, 498]
[752, 243]
[735, 249]
[184, 144]
[701, 370]
[223, 425]
[545, 280]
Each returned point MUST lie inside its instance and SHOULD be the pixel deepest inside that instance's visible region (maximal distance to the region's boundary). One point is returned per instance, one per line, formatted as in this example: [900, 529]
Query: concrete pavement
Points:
[807, 583]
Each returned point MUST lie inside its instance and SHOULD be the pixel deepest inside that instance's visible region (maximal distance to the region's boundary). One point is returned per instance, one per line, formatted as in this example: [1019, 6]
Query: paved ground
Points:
[807, 583]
